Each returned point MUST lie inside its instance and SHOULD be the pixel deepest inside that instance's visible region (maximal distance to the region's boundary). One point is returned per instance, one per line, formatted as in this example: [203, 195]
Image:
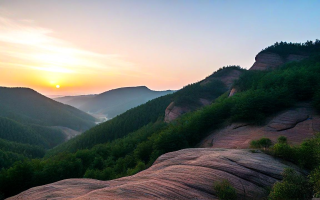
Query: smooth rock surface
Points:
[297, 124]
[289, 119]
[184, 174]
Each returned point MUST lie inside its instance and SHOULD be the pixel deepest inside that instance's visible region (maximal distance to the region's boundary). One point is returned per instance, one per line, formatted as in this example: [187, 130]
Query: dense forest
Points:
[26, 118]
[284, 49]
[210, 88]
[27, 106]
[132, 141]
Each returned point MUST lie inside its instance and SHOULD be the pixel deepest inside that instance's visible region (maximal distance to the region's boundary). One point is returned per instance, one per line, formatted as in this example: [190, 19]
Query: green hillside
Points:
[27, 106]
[132, 141]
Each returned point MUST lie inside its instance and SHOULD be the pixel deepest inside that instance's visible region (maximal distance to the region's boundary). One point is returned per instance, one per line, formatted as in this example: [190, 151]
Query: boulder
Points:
[184, 174]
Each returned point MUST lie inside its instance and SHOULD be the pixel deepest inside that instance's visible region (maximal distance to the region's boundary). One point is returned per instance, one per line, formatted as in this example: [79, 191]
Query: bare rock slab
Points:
[184, 174]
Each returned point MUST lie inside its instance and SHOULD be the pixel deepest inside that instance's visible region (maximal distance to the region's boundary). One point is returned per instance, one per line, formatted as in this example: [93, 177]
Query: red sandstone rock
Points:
[295, 124]
[172, 112]
[270, 61]
[184, 174]
[266, 61]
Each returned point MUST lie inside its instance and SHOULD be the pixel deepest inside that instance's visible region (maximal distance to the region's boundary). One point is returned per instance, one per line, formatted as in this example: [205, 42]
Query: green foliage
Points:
[261, 143]
[282, 140]
[225, 191]
[306, 155]
[294, 186]
[284, 48]
[30, 134]
[7, 158]
[190, 94]
[316, 100]
[118, 127]
[24, 149]
[210, 88]
[225, 71]
[315, 181]
[134, 140]
[27, 106]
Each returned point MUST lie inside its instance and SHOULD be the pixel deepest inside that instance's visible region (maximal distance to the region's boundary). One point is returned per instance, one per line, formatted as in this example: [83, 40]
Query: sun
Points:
[58, 86]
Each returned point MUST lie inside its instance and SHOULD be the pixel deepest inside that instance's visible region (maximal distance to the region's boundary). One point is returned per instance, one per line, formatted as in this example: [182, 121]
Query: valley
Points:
[184, 144]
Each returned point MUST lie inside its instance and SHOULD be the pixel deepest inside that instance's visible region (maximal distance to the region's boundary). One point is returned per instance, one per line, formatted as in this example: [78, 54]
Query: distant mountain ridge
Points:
[113, 102]
[25, 105]
[30, 123]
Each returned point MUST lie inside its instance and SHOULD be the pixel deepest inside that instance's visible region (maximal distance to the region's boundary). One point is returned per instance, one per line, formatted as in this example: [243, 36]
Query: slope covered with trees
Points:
[132, 141]
[27, 106]
[285, 48]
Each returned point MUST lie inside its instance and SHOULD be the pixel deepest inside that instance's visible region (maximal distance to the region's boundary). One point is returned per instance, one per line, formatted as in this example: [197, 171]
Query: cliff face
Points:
[266, 61]
[184, 174]
[270, 61]
[172, 111]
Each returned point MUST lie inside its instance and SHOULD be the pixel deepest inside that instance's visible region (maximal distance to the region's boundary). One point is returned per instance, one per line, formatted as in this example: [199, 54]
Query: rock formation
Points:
[172, 111]
[270, 61]
[296, 124]
[266, 61]
[184, 174]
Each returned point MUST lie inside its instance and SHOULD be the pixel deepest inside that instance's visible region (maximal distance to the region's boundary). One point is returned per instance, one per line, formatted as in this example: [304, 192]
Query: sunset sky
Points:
[88, 47]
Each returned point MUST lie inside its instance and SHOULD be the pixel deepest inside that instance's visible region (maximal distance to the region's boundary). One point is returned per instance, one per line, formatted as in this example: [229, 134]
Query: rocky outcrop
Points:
[296, 124]
[184, 174]
[227, 79]
[172, 112]
[270, 61]
[267, 61]
[288, 119]
[232, 92]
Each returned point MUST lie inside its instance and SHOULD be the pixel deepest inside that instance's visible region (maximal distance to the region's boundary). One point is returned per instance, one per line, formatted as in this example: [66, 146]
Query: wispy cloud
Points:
[24, 44]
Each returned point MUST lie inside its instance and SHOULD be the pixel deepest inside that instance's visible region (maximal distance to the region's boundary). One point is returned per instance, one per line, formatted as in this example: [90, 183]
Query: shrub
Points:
[282, 140]
[315, 181]
[262, 143]
[225, 191]
[293, 186]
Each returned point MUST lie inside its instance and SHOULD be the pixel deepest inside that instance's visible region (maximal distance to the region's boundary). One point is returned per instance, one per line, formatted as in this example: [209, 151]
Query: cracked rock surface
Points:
[184, 174]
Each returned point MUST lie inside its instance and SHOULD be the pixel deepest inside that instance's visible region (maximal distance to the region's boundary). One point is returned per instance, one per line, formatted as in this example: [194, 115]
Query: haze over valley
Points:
[159, 100]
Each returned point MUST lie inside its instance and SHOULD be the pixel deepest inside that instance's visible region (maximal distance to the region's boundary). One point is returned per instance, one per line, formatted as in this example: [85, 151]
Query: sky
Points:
[88, 47]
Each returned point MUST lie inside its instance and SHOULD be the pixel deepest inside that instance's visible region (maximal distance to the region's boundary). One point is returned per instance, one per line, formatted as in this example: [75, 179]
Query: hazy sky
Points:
[90, 46]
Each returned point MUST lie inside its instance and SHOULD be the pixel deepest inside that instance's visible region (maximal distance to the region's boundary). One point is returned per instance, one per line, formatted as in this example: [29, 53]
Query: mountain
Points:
[202, 93]
[26, 106]
[75, 101]
[283, 99]
[113, 102]
[31, 123]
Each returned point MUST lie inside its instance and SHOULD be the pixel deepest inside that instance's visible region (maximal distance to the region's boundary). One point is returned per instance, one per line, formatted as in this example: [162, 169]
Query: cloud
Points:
[24, 44]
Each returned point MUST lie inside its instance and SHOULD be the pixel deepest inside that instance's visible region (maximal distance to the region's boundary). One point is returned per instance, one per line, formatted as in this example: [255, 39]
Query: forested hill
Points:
[26, 118]
[26, 106]
[132, 141]
[285, 48]
[150, 112]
